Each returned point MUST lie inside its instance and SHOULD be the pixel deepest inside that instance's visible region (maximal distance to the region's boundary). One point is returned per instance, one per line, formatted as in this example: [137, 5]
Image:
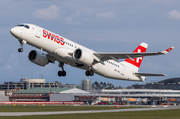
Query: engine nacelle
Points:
[83, 56]
[38, 58]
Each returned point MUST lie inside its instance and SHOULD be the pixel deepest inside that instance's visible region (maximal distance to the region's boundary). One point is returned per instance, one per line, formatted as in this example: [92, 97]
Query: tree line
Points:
[102, 85]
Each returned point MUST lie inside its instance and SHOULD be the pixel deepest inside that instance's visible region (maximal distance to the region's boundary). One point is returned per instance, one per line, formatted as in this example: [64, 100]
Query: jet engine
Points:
[83, 56]
[38, 58]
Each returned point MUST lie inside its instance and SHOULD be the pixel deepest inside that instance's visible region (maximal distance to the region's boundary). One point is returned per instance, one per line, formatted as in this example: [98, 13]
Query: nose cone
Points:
[16, 32]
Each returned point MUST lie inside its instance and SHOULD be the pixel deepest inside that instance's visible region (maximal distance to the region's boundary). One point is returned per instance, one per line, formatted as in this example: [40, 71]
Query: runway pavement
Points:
[88, 111]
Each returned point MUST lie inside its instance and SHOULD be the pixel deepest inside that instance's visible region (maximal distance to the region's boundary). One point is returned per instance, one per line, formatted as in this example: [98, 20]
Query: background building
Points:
[70, 86]
[34, 90]
[23, 84]
[172, 83]
[87, 85]
[3, 97]
[43, 94]
[28, 84]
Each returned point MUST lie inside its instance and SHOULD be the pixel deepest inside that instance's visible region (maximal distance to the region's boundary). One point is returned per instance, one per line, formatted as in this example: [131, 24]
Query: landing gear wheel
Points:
[89, 73]
[61, 73]
[20, 50]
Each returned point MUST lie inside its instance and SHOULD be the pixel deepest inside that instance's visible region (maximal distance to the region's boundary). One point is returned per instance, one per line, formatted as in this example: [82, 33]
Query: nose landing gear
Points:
[22, 42]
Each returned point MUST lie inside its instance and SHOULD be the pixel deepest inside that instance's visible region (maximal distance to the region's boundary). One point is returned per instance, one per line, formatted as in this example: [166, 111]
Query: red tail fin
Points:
[135, 64]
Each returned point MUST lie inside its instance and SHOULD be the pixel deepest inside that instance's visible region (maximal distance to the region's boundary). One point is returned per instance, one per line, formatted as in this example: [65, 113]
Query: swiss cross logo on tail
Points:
[139, 58]
[169, 49]
[137, 61]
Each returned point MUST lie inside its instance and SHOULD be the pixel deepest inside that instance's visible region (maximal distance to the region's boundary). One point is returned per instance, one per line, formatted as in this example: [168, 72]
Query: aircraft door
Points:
[38, 32]
[122, 69]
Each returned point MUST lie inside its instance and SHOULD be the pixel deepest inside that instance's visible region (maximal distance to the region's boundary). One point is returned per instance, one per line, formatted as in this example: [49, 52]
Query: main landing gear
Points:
[22, 42]
[89, 73]
[61, 73]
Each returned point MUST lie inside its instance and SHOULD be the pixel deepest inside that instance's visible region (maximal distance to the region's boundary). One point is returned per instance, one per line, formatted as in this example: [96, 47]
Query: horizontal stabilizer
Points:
[149, 74]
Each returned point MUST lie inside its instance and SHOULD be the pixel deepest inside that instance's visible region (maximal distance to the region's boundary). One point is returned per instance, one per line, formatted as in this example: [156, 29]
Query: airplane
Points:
[65, 51]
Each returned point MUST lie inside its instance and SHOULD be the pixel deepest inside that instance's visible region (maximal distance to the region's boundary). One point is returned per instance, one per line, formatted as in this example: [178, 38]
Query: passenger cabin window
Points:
[112, 64]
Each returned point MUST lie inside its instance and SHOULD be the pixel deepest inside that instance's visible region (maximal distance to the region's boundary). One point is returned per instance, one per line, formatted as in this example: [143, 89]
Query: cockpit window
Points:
[22, 25]
[26, 26]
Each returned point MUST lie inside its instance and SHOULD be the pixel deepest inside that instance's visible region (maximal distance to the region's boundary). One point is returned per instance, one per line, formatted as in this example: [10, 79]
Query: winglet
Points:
[167, 50]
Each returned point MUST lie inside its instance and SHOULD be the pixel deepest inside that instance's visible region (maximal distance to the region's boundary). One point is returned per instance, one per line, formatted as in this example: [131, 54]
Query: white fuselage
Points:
[59, 49]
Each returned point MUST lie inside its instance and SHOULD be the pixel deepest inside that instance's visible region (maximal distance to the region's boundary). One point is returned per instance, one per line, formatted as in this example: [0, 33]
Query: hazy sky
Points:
[101, 25]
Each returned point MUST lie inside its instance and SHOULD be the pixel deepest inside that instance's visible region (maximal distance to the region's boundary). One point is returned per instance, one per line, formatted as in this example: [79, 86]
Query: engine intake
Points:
[83, 56]
[38, 58]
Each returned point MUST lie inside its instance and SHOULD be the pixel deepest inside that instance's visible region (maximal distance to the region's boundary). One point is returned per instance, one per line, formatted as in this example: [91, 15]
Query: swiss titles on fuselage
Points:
[53, 37]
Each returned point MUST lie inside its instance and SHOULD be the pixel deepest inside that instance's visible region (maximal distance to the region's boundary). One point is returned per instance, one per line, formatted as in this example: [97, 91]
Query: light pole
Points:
[31, 75]
[8, 84]
[22, 80]
[42, 78]
[54, 82]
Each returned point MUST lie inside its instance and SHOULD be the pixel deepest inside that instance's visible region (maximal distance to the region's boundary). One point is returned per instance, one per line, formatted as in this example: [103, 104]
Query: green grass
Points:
[158, 114]
[55, 108]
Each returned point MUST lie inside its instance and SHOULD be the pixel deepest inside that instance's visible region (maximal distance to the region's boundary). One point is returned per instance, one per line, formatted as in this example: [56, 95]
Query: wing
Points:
[116, 56]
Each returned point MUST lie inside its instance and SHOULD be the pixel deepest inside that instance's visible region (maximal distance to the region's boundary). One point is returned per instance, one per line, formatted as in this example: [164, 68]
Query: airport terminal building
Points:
[125, 96]
[39, 90]
[172, 83]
